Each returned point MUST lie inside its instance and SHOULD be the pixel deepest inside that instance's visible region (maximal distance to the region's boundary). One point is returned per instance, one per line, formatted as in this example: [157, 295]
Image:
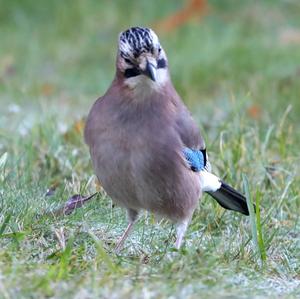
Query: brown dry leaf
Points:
[75, 130]
[254, 111]
[47, 89]
[192, 9]
[289, 36]
[74, 202]
[79, 125]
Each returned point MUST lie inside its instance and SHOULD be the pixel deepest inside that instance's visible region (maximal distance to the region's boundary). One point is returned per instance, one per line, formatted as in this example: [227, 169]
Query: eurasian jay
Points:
[145, 147]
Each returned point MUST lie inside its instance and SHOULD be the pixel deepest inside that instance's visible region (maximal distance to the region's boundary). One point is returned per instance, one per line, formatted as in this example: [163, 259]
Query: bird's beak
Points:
[150, 71]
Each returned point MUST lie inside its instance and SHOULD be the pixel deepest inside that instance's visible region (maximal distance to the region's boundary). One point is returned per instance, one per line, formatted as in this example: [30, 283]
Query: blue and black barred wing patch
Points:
[195, 158]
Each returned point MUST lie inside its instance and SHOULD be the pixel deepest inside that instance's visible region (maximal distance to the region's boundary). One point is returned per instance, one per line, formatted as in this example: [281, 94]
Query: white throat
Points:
[142, 86]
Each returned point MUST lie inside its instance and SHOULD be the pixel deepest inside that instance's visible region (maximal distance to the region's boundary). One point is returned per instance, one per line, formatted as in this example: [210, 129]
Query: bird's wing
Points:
[195, 158]
[195, 149]
[188, 129]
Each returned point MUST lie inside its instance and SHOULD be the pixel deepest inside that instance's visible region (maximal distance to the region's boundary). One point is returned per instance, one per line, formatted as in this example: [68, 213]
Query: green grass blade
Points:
[252, 213]
[65, 259]
[102, 255]
[4, 224]
[261, 243]
[3, 160]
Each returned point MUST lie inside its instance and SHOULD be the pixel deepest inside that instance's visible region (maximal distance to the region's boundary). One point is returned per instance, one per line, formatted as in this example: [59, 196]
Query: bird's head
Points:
[141, 59]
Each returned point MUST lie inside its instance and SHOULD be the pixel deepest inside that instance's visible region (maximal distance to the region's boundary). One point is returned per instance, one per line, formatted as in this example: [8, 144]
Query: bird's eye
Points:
[159, 50]
[128, 61]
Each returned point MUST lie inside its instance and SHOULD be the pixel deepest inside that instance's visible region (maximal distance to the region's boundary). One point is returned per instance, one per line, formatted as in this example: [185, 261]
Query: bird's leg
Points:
[180, 231]
[132, 216]
[121, 241]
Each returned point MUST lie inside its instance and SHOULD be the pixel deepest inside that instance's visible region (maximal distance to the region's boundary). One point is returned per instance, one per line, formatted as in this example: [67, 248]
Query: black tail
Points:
[231, 199]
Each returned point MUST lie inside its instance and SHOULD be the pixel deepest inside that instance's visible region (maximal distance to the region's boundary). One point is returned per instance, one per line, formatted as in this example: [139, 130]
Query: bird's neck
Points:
[143, 103]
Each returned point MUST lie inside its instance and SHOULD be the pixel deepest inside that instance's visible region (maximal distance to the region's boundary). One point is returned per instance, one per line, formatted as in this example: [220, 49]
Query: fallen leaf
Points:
[254, 111]
[191, 9]
[75, 130]
[79, 125]
[47, 89]
[74, 202]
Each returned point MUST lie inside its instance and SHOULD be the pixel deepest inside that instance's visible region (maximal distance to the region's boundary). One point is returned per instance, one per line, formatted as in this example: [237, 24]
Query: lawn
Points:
[237, 67]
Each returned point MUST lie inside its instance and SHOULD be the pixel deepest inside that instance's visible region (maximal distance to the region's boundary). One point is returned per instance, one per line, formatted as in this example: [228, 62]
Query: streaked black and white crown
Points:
[137, 40]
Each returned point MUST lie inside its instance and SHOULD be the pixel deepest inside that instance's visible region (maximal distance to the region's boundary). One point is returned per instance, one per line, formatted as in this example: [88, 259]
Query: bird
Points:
[146, 149]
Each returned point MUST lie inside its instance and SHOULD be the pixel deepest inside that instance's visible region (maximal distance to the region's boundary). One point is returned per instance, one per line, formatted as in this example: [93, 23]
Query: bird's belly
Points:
[175, 199]
[113, 170]
[140, 175]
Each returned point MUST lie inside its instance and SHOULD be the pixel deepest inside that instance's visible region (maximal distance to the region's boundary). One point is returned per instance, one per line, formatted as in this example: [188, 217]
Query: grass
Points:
[239, 74]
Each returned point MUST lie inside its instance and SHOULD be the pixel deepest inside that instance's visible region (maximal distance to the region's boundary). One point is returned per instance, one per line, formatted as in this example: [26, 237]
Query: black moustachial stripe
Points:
[131, 72]
[161, 63]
